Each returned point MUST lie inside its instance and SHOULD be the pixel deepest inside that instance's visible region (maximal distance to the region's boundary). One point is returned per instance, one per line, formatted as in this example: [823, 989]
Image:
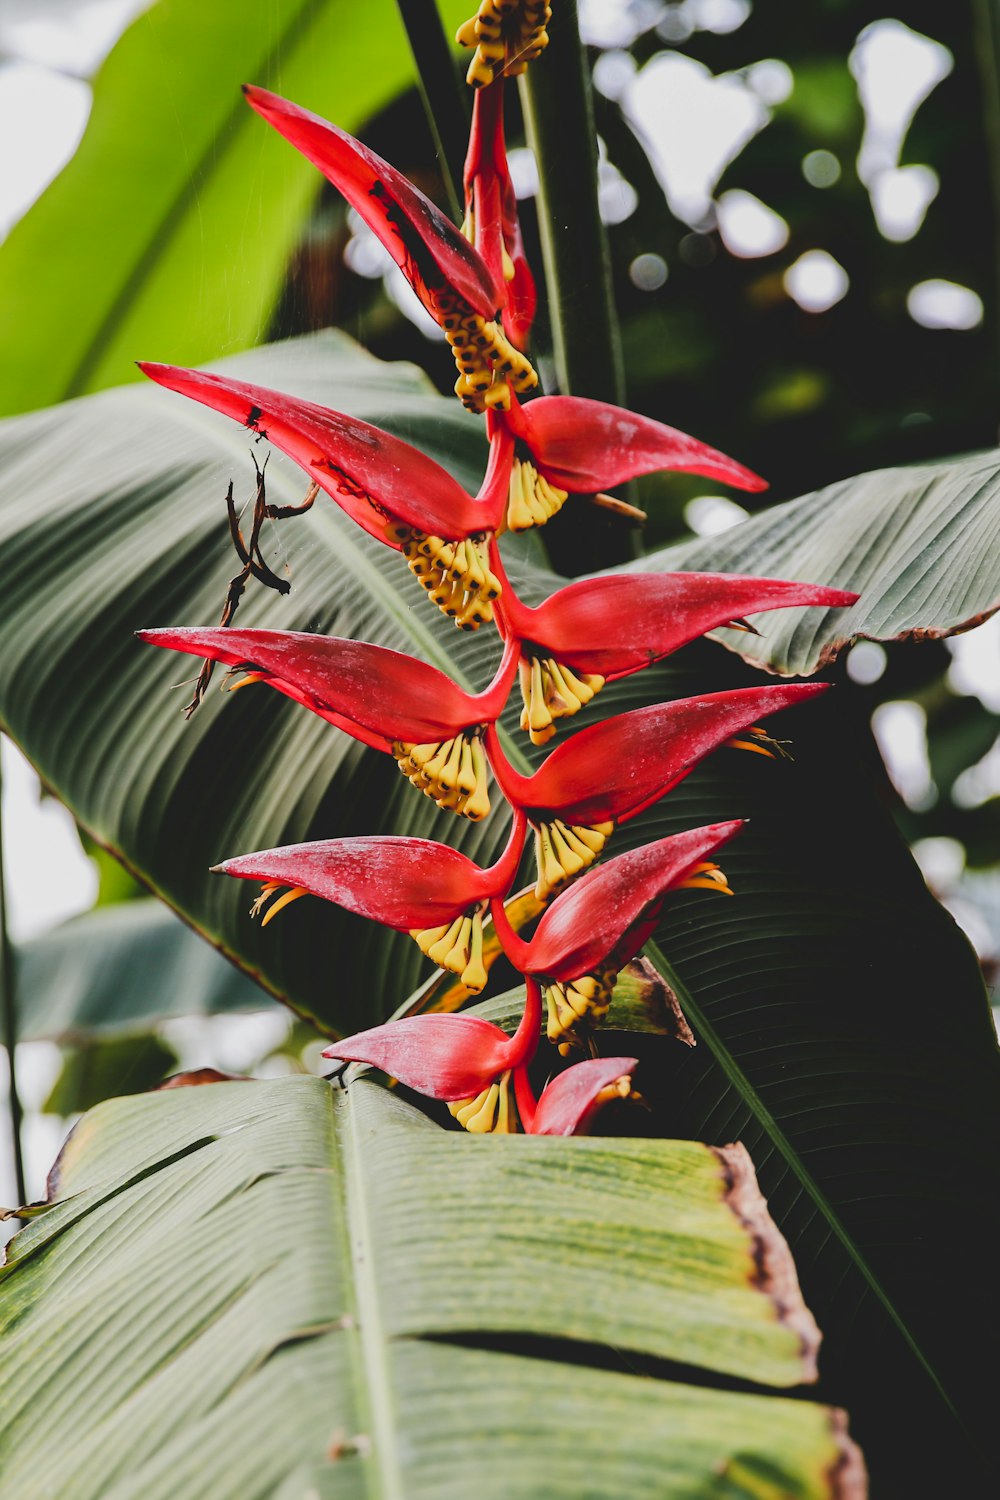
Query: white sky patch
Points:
[613, 71]
[941, 861]
[46, 114]
[975, 663]
[49, 878]
[523, 170]
[901, 731]
[866, 662]
[70, 38]
[771, 80]
[900, 198]
[617, 23]
[747, 226]
[978, 783]
[692, 124]
[944, 304]
[816, 281]
[708, 515]
[617, 199]
[896, 69]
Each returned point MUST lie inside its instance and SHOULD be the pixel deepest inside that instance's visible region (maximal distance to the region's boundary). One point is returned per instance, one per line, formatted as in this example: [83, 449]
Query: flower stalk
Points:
[546, 456]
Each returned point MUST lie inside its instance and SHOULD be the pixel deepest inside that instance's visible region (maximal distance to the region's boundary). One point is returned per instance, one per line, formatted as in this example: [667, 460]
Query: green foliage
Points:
[120, 969]
[263, 1289]
[917, 545]
[816, 993]
[178, 214]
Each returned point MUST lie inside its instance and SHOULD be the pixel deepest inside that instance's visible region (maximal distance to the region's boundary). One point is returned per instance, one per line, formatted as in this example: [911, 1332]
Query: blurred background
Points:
[801, 212]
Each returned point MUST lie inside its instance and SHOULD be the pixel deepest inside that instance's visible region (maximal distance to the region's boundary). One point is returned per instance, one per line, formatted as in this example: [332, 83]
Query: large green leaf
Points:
[842, 1019]
[121, 969]
[427, 1314]
[920, 545]
[183, 206]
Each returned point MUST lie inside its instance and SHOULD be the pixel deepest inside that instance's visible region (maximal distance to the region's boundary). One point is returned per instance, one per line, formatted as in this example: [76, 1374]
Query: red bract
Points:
[460, 289]
[583, 446]
[603, 919]
[413, 885]
[386, 695]
[570, 1101]
[375, 477]
[432, 254]
[616, 769]
[444, 1057]
[395, 492]
[610, 772]
[590, 932]
[616, 625]
[389, 701]
[463, 1060]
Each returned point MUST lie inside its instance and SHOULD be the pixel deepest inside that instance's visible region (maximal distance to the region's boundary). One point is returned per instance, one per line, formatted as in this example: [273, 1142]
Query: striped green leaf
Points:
[248, 1290]
[816, 993]
[184, 207]
[920, 545]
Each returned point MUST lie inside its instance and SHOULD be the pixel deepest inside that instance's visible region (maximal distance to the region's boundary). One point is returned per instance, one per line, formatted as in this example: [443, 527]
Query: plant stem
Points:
[444, 98]
[8, 1012]
[986, 31]
[559, 121]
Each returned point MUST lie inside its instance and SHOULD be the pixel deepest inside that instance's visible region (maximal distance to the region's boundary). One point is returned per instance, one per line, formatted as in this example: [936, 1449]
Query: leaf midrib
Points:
[374, 1388]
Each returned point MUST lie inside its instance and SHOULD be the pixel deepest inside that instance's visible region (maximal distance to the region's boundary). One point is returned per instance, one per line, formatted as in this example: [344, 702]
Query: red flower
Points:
[398, 494]
[475, 1068]
[389, 701]
[603, 628]
[452, 280]
[590, 932]
[611, 772]
[413, 885]
[570, 1101]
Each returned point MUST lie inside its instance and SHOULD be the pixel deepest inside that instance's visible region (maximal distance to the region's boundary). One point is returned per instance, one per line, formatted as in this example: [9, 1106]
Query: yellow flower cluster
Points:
[532, 500]
[550, 691]
[578, 1003]
[457, 947]
[562, 850]
[452, 773]
[507, 35]
[456, 575]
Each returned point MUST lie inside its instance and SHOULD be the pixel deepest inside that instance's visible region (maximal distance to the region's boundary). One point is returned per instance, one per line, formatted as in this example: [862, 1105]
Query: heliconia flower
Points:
[599, 629]
[569, 1102]
[398, 494]
[491, 217]
[451, 279]
[475, 1068]
[611, 772]
[507, 35]
[432, 892]
[463, 1060]
[590, 932]
[573, 445]
[390, 701]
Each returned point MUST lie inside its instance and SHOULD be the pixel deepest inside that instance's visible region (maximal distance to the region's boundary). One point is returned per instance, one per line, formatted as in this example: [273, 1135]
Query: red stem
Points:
[499, 877]
[526, 1101]
[495, 487]
[524, 1043]
[516, 949]
[490, 702]
[515, 787]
